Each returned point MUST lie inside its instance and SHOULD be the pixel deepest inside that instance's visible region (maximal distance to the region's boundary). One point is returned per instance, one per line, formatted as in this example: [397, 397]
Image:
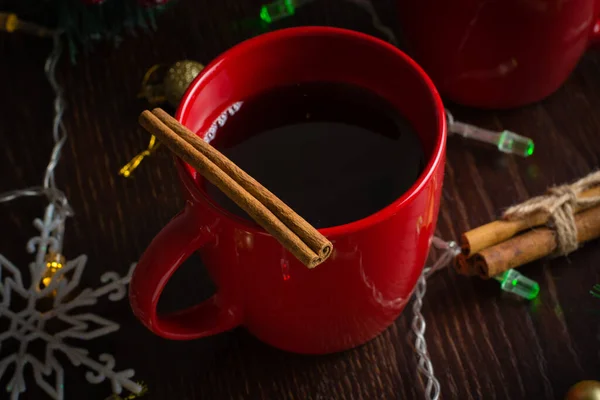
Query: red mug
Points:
[499, 53]
[366, 282]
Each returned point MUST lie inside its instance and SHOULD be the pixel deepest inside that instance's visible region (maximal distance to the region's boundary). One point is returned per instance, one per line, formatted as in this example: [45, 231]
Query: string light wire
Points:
[385, 30]
[58, 201]
[59, 135]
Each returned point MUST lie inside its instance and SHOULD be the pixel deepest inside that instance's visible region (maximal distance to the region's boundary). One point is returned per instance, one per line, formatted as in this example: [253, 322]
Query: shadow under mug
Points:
[498, 53]
[364, 285]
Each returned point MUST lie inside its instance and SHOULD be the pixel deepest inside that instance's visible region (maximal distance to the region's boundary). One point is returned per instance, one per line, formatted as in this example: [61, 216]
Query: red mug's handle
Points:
[179, 239]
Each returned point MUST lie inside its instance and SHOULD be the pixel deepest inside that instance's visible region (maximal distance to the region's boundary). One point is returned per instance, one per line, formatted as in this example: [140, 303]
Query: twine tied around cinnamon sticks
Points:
[559, 204]
[570, 213]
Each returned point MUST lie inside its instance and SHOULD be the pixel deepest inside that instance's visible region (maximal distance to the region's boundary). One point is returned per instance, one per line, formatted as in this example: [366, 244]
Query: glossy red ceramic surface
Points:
[362, 288]
[498, 53]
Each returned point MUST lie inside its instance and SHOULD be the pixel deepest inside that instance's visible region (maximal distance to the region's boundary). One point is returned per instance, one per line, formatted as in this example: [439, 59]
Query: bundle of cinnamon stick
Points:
[500, 245]
[307, 244]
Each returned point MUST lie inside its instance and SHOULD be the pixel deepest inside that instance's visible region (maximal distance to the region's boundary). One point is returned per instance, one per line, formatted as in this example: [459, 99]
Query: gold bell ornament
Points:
[168, 84]
[163, 85]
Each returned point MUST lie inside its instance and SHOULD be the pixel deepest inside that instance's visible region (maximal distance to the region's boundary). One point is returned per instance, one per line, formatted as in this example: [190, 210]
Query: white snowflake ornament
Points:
[29, 324]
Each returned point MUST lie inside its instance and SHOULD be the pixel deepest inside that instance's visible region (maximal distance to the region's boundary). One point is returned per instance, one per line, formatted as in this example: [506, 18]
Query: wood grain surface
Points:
[484, 344]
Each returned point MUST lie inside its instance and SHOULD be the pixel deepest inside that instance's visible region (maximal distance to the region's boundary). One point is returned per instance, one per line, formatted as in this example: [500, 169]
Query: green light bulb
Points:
[277, 10]
[510, 142]
[513, 281]
[506, 141]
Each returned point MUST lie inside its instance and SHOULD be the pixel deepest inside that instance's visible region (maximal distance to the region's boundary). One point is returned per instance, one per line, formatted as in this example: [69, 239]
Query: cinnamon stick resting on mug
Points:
[525, 248]
[292, 231]
[498, 231]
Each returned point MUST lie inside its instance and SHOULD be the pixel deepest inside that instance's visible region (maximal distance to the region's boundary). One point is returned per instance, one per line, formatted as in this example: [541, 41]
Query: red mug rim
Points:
[435, 159]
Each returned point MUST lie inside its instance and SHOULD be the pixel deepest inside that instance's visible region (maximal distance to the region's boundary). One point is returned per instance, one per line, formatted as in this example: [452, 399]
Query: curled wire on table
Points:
[57, 198]
[367, 5]
[449, 251]
[59, 134]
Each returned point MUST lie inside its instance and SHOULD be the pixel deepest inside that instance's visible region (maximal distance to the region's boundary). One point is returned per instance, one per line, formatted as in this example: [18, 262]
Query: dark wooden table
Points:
[484, 344]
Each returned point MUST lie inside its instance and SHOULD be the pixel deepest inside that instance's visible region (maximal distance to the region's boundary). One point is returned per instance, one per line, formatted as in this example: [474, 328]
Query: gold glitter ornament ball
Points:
[178, 78]
[584, 390]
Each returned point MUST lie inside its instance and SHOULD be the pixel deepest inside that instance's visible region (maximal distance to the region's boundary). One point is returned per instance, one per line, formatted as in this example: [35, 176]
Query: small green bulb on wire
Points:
[280, 9]
[506, 141]
[595, 291]
[510, 142]
[277, 10]
[513, 281]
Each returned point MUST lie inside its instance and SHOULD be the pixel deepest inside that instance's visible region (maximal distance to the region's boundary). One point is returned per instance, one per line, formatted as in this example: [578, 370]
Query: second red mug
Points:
[367, 281]
[499, 53]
